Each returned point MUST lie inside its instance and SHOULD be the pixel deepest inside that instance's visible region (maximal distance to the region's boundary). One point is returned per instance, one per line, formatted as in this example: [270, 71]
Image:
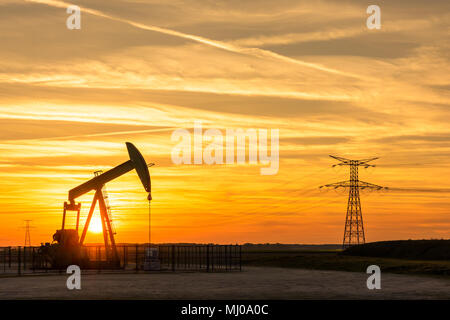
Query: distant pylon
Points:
[27, 234]
[354, 227]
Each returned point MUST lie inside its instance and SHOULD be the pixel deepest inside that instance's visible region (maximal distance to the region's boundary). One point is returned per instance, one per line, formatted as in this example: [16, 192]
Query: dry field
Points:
[251, 283]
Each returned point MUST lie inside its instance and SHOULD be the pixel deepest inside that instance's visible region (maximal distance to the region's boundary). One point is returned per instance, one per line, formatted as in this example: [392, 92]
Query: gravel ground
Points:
[252, 283]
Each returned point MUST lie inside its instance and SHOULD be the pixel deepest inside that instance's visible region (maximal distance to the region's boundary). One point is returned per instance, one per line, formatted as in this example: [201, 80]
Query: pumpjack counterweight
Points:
[354, 226]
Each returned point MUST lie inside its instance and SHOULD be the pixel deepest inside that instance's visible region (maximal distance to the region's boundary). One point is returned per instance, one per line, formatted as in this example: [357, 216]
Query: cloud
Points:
[139, 69]
[430, 138]
[317, 140]
[256, 52]
[26, 129]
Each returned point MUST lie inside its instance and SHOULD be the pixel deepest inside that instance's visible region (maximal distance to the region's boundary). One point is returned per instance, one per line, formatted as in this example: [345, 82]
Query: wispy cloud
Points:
[217, 44]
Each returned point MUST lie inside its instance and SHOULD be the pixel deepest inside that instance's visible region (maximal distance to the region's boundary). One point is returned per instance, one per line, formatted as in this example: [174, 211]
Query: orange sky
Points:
[138, 70]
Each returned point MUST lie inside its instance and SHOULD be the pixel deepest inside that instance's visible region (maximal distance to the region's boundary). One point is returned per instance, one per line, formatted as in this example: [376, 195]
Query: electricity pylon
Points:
[27, 233]
[354, 227]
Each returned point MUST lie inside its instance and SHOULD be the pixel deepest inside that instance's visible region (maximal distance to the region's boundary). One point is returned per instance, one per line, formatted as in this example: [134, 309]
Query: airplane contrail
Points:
[255, 52]
[104, 134]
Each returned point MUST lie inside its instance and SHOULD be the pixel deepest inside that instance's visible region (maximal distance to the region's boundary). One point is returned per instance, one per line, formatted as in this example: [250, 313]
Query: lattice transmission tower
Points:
[354, 227]
[27, 233]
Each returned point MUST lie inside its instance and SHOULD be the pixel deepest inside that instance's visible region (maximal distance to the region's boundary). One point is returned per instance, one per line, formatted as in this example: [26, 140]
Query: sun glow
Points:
[60, 124]
[96, 225]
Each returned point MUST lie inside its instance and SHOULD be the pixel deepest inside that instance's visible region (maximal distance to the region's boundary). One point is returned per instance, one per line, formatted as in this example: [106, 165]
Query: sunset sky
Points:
[140, 69]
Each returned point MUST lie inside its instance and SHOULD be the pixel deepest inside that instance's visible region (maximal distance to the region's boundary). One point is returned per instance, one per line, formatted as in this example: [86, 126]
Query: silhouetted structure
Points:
[132, 258]
[68, 249]
[27, 234]
[108, 207]
[354, 227]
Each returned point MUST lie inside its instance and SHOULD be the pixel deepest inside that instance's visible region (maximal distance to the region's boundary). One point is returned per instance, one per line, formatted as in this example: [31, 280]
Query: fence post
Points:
[167, 253]
[230, 262]
[24, 258]
[207, 258]
[9, 260]
[240, 258]
[235, 256]
[227, 256]
[98, 256]
[33, 259]
[19, 261]
[200, 256]
[213, 257]
[233, 251]
[173, 258]
[137, 258]
[124, 257]
[219, 257]
[230, 258]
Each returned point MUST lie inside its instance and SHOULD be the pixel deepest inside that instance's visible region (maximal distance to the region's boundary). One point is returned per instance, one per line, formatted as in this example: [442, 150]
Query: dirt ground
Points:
[251, 283]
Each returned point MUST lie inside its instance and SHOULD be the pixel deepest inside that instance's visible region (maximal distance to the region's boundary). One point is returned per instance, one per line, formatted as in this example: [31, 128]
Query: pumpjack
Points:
[68, 248]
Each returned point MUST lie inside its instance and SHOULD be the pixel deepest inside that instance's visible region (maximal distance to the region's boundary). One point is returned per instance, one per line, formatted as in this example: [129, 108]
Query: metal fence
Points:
[207, 258]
